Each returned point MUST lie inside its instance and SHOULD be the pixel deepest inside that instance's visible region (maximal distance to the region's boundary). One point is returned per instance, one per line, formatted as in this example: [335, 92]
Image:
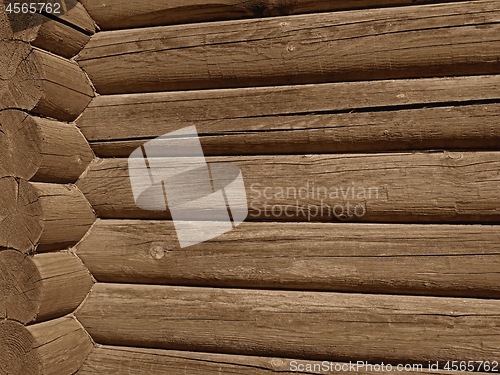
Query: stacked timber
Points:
[42, 213]
[367, 136]
[392, 112]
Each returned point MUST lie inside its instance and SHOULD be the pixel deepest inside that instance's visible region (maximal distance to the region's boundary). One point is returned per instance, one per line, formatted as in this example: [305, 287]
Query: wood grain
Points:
[61, 344]
[64, 34]
[40, 149]
[42, 216]
[114, 14]
[448, 260]
[292, 324]
[393, 115]
[35, 80]
[399, 187]
[119, 360]
[67, 215]
[42, 287]
[17, 347]
[21, 218]
[417, 41]
[64, 283]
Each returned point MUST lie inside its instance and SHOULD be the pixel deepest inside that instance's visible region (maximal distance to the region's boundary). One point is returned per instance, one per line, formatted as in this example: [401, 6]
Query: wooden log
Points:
[65, 34]
[447, 260]
[115, 127]
[113, 14]
[42, 216]
[17, 348]
[41, 149]
[293, 324]
[21, 219]
[426, 41]
[398, 187]
[67, 216]
[120, 360]
[43, 287]
[61, 344]
[65, 282]
[37, 81]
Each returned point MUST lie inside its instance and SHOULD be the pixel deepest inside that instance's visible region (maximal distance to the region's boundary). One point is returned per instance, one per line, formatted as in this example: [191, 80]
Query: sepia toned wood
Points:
[120, 360]
[41, 149]
[293, 324]
[117, 124]
[37, 81]
[61, 344]
[113, 14]
[18, 348]
[425, 41]
[21, 218]
[67, 215]
[422, 187]
[458, 127]
[64, 34]
[65, 282]
[42, 216]
[42, 287]
[447, 260]
[21, 288]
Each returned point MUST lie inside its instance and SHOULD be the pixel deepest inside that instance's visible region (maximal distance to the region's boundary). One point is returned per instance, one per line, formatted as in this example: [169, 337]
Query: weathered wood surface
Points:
[67, 215]
[114, 14]
[42, 287]
[293, 324]
[37, 81]
[64, 34]
[61, 344]
[64, 283]
[40, 149]
[398, 187]
[42, 216]
[17, 347]
[303, 118]
[424, 41]
[448, 260]
[116, 360]
[21, 215]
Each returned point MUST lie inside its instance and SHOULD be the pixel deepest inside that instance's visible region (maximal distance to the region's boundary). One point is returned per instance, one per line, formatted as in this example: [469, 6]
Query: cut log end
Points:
[20, 292]
[17, 347]
[20, 215]
[20, 86]
[20, 143]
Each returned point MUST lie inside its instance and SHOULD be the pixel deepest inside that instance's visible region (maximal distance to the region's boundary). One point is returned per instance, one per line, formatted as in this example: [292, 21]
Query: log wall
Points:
[399, 98]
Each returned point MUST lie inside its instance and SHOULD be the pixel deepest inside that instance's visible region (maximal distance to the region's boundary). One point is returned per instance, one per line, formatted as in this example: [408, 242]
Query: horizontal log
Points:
[447, 260]
[42, 287]
[64, 283]
[292, 324]
[42, 216]
[41, 149]
[67, 215]
[416, 41]
[399, 187]
[64, 34]
[120, 360]
[37, 81]
[113, 14]
[61, 344]
[116, 130]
